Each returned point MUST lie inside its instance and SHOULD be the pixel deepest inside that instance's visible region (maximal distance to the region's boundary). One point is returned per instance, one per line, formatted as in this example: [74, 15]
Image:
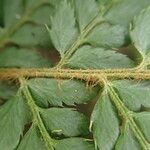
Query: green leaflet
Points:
[84, 17]
[140, 32]
[27, 19]
[134, 95]
[53, 92]
[104, 2]
[74, 144]
[7, 90]
[105, 124]
[123, 11]
[12, 12]
[56, 3]
[63, 29]
[143, 121]
[32, 141]
[46, 10]
[127, 140]
[64, 121]
[88, 57]
[22, 58]
[106, 35]
[13, 116]
[31, 35]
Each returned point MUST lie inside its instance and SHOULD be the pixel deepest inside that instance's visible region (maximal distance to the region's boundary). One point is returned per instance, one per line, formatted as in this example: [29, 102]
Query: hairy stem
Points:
[89, 75]
[36, 116]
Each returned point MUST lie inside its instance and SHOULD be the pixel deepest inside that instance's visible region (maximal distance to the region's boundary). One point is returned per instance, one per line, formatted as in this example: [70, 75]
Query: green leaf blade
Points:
[7, 90]
[143, 120]
[22, 58]
[74, 143]
[64, 121]
[140, 32]
[86, 11]
[13, 116]
[134, 95]
[123, 11]
[13, 12]
[108, 36]
[127, 141]
[63, 30]
[98, 58]
[105, 124]
[44, 92]
[32, 141]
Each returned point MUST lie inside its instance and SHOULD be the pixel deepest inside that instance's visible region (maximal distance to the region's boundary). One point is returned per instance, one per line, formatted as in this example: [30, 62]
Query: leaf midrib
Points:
[37, 120]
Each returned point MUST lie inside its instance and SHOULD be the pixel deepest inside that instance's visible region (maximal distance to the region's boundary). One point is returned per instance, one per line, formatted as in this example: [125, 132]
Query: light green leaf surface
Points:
[104, 2]
[106, 35]
[123, 11]
[51, 91]
[135, 95]
[127, 141]
[64, 121]
[63, 31]
[74, 144]
[105, 124]
[88, 57]
[31, 35]
[32, 141]
[7, 90]
[13, 116]
[22, 58]
[140, 32]
[143, 120]
[86, 11]
[13, 12]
